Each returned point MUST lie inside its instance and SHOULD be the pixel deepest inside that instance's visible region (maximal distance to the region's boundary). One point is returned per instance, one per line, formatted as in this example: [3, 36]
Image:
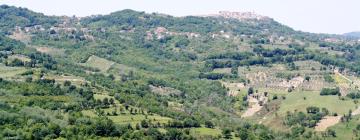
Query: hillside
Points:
[353, 34]
[134, 75]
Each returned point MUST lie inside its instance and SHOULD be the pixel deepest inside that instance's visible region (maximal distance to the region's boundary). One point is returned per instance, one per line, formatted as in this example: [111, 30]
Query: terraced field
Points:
[98, 63]
[300, 100]
[11, 72]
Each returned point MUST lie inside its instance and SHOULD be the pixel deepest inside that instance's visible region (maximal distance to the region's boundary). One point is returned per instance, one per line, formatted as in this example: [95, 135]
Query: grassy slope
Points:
[295, 101]
[344, 131]
[99, 63]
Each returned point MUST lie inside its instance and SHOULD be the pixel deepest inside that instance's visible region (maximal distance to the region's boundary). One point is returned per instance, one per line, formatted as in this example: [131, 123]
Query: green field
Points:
[344, 131]
[101, 96]
[50, 50]
[98, 63]
[295, 101]
[10, 72]
[120, 68]
[18, 99]
[62, 78]
[202, 131]
[222, 70]
[126, 117]
[134, 119]
[20, 57]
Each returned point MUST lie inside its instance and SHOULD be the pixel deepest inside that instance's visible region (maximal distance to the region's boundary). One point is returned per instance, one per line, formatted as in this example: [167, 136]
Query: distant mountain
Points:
[353, 34]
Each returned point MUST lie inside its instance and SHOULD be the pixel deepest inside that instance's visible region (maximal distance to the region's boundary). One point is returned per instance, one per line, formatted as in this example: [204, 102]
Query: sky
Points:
[317, 16]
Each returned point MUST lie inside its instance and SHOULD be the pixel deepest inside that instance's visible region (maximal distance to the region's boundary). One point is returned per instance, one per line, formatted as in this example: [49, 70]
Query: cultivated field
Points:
[203, 132]
[98, 63]
[222, 70]
[21, 36]
[11, 72]
[301, 100]
[62, 78]
[345, 130]
[51, 51]
[20, 57]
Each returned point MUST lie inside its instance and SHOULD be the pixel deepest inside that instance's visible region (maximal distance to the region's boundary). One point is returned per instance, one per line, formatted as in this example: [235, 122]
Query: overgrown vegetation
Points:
[132, 75]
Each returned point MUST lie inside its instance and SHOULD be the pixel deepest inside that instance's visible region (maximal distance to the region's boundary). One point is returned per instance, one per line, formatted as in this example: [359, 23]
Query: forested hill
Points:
[353, 34]
[201, 25]
[12, 16]
[135, 75]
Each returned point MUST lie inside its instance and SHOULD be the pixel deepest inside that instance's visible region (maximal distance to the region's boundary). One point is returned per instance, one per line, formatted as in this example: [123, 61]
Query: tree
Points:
[67, 83]
[155, 134]
[111, 76]
[106, 102]
[114, 112]
[250, 90]
[131, 111]
[243, 133]
[330, 91]
[331, 132]
[144, 124]
[325, 111]
[111, 101]
[298, 130]
[52, 32]
[16, 62]
[28, 79]
[209, 124]
[191, 123]
[226, 133]
[307, 78]
[183, 42]
[137, 127]
[234, 70]
[105, 127]
[275, 97]
[312, 110]
[328, 78]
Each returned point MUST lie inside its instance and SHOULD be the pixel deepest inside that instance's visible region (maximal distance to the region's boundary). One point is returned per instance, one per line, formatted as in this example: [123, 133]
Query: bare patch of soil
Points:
[326, 122]
[234, 88]
[255, 105]
[164, 90]
[21, 36]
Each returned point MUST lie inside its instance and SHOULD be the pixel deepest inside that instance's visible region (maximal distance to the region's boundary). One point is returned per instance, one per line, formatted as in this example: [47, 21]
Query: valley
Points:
[136, 75]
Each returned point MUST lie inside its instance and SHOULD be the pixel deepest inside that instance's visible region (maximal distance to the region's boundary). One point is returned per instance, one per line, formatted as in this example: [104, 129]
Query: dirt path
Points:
[234, 88]
[356, 111]
[337, 72]
[255, 107]
[326, 122]
[345, 87]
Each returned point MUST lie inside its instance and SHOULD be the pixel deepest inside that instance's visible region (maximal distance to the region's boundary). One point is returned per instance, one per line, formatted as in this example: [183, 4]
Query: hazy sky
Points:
[320, 16]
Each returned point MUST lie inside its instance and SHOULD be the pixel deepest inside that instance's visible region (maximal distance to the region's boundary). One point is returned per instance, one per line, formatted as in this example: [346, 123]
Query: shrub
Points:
[330, 91]
[328, 78]
[354, 95]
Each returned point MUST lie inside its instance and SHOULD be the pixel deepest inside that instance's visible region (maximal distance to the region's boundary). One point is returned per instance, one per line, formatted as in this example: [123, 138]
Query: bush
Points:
[330, 91]
[226, 133]
[211, 76]
[209, 124]
[312, 110]
[354, 95]
[328, 78]
[250, 90]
